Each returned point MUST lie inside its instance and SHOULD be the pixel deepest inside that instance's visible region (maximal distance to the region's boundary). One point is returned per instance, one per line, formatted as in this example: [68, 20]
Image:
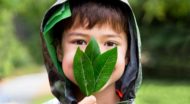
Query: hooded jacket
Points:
[61, 87]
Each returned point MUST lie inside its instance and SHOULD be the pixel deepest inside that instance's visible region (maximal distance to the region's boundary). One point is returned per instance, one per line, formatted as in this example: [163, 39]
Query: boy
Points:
[71, 24]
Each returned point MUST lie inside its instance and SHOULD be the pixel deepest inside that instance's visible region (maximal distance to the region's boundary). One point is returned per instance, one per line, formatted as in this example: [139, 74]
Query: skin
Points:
[107, 38]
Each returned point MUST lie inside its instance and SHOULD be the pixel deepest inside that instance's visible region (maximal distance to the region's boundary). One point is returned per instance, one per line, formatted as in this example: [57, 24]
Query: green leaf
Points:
[92, 50]
[103, 67]
[91, 69]
[83, 72]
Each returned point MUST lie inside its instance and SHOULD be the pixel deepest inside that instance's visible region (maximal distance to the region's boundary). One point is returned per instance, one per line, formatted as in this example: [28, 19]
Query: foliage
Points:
[83, 72]
[12, 53]
[91, 69]
[161, 10]
[28, 17]
[19, 33]
[164, 26]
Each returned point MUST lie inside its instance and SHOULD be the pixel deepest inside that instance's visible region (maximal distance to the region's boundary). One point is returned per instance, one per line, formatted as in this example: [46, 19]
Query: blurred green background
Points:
[19, 35]
[165, 33]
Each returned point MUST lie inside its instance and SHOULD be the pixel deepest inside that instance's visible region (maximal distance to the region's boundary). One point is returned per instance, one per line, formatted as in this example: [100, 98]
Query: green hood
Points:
[61, 87]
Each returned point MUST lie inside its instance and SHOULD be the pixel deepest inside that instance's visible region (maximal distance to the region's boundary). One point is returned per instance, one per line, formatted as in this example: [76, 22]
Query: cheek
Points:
[120, 67]
[67, 66]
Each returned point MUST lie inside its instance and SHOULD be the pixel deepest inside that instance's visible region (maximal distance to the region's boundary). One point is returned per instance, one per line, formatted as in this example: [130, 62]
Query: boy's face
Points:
[106, 38]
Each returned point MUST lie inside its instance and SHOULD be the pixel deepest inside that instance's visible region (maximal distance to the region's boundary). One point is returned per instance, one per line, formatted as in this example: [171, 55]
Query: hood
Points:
[61, 87]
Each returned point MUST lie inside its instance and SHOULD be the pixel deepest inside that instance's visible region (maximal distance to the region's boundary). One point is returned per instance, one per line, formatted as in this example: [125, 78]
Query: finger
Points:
[88, 100]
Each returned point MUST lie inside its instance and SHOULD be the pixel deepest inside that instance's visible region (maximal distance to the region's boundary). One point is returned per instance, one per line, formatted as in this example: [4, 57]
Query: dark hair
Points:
[91, 13]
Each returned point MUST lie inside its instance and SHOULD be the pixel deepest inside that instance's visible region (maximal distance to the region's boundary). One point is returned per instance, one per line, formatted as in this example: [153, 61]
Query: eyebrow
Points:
[77, 34]
[85, 35]
[111, 36]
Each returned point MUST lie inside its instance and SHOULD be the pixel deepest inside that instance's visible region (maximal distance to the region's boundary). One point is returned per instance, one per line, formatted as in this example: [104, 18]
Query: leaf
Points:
[92, 50]
[83, 72]
[91, 69]
[103, 67]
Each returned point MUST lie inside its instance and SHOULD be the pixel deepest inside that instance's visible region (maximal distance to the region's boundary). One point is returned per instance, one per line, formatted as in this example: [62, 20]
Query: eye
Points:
[79, 42]
[110, 44]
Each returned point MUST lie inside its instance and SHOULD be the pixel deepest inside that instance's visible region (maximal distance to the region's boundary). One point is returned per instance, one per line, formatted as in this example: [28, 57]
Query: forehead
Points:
[106, 25]
[99, 32]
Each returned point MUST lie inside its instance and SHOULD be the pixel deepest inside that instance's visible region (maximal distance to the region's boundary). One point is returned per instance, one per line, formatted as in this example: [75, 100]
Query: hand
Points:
[88, 100]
